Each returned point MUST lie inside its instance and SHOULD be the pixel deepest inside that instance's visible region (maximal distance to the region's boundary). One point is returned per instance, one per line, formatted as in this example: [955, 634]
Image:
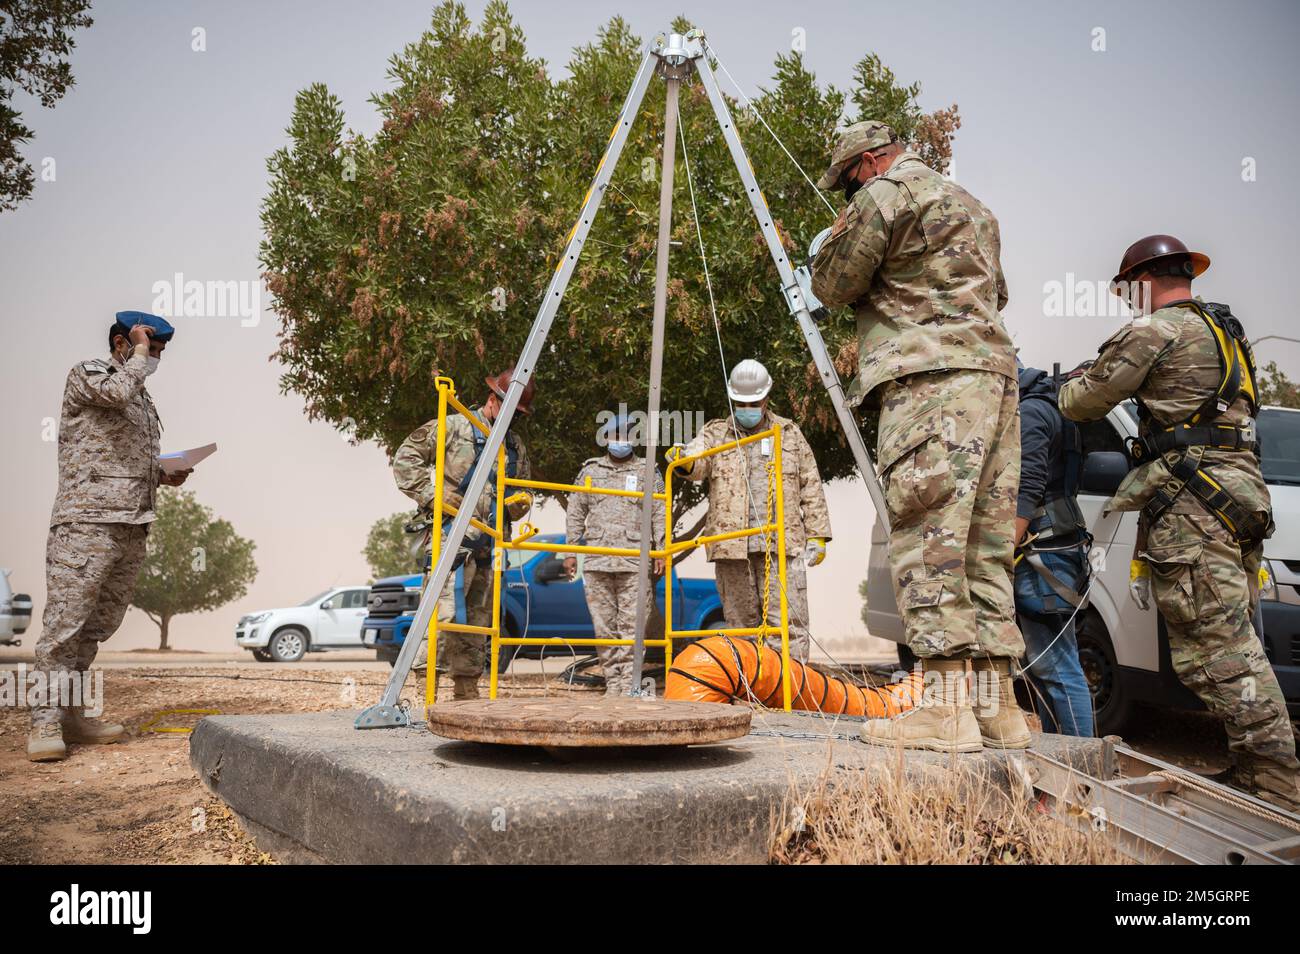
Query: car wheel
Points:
[906, 658]
[288, 644]
[1112, 703]
[261, 655]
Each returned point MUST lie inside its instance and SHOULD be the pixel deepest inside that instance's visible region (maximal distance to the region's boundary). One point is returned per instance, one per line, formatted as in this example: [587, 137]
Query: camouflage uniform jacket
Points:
[732, 473]
[1170, 362]
[414, 462]
[918, 257]
[604, 520]
[108, 445]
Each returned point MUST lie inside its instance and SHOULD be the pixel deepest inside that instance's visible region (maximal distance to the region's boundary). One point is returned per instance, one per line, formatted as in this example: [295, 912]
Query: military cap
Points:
[162, 329]
[853, 142]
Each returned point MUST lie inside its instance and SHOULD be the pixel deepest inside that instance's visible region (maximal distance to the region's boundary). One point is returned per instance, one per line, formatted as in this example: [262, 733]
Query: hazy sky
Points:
[159, 160]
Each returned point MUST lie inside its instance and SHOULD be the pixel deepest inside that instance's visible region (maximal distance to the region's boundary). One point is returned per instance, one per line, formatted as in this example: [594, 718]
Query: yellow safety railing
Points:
[523, 541]
[775, 524]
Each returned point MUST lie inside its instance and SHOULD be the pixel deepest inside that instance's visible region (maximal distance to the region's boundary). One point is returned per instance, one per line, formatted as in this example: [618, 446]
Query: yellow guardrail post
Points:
[668, 570]
[446, 389]
[780, 565]
[498, 556]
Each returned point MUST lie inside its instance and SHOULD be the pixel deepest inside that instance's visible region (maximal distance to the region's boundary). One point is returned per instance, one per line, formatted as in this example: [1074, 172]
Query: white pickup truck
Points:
[328, 621]
[15, 612]
[1125, 651]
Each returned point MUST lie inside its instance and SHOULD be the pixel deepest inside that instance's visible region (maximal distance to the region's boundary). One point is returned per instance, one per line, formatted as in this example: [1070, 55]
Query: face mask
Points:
[748, 417]
[151, 365]
[620, 450]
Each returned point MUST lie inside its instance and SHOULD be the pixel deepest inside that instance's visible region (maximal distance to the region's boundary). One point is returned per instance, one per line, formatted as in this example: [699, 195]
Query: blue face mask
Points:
[748, 417]
[620, 450]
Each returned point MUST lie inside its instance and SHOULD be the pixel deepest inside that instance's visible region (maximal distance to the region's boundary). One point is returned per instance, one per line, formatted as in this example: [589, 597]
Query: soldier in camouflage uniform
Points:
[917, 256]
[739, 499]
[463, 654]
[1199, 544]
[108, 476]
[606, 520]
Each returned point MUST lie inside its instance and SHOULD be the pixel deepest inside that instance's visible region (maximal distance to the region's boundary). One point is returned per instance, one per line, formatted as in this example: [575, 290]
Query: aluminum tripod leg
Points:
[387, 712]
[794, 297]
[643, 594]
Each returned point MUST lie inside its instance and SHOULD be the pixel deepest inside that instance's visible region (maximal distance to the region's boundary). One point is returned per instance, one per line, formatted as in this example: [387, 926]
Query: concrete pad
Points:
[311, 788]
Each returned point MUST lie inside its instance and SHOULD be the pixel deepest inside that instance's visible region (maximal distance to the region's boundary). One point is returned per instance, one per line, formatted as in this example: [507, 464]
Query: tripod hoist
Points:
[674, 57]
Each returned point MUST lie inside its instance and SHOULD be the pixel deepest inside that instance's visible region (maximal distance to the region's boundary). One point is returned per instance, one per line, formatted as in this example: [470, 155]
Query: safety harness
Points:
[1183, 445]
[1067, 530]
[480, 546]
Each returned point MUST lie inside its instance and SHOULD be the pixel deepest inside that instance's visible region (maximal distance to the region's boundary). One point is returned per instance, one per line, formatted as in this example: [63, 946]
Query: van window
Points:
[1100, 436]
[1279, 446]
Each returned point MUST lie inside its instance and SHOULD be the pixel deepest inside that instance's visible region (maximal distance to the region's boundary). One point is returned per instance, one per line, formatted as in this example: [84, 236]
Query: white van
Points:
[1125, 651]
[15, 612]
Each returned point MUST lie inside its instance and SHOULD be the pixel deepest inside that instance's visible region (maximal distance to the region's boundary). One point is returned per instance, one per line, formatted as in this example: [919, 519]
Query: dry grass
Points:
[951, 816]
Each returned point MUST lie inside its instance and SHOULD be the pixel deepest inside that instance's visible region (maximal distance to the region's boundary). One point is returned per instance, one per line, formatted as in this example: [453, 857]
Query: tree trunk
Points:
[163, 622]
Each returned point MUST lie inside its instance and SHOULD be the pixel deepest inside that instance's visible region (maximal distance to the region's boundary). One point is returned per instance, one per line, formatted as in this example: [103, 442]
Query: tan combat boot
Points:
[944, 721]
[1002, 723]
[45, 743]
[77, 728]
[464, 687]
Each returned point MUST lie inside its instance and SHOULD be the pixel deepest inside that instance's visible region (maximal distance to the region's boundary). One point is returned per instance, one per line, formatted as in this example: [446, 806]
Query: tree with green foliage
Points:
[1276, 388]
[424, 249]
[35, 43]
[193, 563]
[388, 547]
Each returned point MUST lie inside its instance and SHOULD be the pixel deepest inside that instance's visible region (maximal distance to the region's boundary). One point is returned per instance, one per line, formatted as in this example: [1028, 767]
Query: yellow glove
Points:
[673, 453]
[1139, 583]
[815, 551]
[516, 499]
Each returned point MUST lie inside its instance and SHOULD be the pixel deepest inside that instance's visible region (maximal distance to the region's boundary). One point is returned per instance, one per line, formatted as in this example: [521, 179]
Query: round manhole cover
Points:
[588, 722]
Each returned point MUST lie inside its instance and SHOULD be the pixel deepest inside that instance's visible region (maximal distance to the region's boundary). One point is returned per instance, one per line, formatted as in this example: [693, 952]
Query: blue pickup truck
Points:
[538, 599]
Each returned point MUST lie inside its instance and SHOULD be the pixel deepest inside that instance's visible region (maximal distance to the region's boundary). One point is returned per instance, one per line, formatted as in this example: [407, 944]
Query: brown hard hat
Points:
[501, 382]
[1152, 248]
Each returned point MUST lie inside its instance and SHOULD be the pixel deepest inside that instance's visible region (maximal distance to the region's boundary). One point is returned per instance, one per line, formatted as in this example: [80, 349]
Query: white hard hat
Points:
[749, 381]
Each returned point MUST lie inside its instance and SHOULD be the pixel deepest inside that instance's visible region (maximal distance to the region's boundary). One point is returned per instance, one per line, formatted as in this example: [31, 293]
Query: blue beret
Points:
[162, 329]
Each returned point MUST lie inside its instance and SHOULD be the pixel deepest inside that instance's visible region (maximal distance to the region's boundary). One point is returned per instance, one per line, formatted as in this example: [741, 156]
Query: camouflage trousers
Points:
[740, 586]
[462, 654]
[611, 599]
[949, 456]
[1206, 590]
[90, 573]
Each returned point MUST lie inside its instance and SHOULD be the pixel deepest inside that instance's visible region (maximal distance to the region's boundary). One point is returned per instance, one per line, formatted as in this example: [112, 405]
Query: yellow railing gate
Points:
[523, 541]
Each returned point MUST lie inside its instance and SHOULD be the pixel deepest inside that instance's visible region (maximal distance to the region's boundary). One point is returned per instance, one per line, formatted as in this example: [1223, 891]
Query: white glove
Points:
[1139, 583]
[815, 551]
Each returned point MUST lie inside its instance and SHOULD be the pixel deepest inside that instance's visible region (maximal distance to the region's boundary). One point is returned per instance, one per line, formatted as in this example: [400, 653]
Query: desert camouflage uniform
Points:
[108, 476]
[738, 499]
[918, 258]
[461, 654]
[610, 582]
[1205, 586]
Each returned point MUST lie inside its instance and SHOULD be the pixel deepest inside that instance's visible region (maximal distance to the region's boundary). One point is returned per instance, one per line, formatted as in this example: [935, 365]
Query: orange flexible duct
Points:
[720, 669]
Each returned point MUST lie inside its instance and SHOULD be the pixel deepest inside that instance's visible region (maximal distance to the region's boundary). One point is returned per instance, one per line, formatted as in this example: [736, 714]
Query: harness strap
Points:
[1247, 527]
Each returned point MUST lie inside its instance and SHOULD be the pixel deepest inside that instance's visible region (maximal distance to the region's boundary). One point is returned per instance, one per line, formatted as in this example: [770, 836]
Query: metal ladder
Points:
[1157, 813]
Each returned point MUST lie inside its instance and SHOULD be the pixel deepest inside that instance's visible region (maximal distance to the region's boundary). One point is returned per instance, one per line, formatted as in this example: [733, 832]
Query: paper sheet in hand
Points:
[186, 459]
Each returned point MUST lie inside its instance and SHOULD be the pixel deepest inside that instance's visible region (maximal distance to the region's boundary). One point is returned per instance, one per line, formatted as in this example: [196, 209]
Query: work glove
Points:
[815, 551]
[519, 503]
[1139, 583]
[676, 451]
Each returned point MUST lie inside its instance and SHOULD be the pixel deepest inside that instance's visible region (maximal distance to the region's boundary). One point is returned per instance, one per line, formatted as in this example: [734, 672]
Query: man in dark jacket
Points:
[1051, 556]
